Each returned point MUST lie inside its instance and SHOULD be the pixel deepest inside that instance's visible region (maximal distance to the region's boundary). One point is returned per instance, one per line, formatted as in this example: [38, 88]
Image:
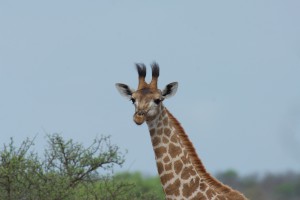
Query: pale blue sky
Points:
[237, 64]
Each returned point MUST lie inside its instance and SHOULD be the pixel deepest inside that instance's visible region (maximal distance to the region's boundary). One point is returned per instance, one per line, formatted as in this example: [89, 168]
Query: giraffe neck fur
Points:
[182, 173]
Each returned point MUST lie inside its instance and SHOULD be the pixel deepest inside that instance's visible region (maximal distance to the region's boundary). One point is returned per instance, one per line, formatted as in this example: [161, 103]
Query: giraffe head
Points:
[147, 99]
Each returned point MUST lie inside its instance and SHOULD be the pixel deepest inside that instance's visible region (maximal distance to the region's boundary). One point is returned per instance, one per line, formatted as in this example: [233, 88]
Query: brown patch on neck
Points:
[199, 167]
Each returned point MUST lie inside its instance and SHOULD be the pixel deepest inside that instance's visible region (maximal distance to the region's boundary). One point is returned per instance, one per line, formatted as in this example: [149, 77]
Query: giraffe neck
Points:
[181, 172]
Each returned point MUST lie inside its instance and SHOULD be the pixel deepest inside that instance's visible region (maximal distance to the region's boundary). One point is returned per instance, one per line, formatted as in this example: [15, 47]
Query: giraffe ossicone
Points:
[181, 172]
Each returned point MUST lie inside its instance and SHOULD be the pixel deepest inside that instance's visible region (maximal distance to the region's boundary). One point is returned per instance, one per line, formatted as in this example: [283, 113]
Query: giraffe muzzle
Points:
[139, 117]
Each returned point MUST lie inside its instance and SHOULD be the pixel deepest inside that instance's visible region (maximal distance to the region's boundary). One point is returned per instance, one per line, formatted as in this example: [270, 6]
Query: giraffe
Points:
[181, 172]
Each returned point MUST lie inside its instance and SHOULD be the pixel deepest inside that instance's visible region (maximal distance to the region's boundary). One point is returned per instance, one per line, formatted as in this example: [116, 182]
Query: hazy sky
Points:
[237, 64]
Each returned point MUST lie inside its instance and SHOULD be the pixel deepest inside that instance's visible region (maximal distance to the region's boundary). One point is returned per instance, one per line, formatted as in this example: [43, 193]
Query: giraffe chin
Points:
[139, 120]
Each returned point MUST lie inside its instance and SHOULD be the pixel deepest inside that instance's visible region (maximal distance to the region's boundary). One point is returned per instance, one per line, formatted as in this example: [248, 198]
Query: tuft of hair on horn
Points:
[155, 74]
[141, 68]
[155, 69]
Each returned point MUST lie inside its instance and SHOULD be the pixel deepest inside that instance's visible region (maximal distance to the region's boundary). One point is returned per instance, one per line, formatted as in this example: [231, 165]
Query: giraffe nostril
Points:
[140, 113]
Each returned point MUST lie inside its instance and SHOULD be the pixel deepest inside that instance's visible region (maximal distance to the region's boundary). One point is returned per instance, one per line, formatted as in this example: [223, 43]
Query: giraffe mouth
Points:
[139, 117]
[139, 120]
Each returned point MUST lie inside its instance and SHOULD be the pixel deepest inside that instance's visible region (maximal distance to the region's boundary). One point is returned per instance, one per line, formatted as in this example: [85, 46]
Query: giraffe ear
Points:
[124, 90]
[170, 90]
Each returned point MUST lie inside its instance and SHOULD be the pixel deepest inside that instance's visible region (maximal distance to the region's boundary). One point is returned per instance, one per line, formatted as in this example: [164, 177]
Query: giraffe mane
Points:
[194, 157]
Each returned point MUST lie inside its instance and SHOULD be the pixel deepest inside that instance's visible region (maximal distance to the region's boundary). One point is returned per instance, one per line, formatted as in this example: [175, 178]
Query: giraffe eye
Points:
[157, 101]
[132, 100]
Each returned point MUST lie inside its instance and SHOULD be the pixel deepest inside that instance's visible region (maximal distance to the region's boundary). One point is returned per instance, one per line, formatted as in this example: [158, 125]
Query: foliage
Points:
[67, 170]
[144, 187]
[268, 187]
[66, 166]
[123, 186]
[18, 167]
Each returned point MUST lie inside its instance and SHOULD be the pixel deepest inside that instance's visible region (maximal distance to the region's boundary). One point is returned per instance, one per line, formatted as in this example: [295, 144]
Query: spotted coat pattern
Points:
[179, 177]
